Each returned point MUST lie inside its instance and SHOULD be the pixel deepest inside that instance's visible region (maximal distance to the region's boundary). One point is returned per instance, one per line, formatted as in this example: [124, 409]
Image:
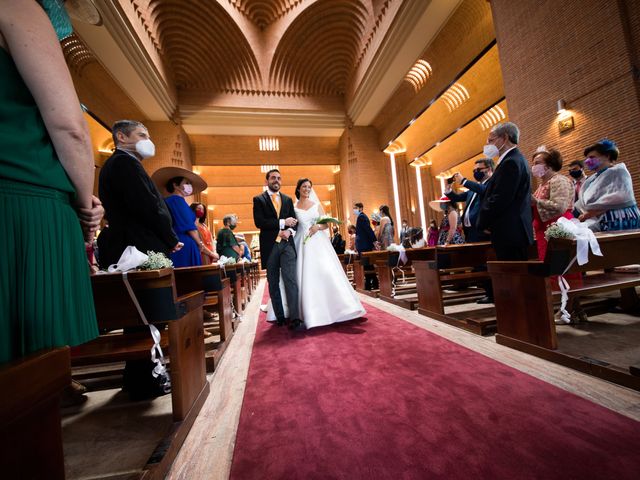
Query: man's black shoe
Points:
[280, 322]
[296, 325]
[485, 300]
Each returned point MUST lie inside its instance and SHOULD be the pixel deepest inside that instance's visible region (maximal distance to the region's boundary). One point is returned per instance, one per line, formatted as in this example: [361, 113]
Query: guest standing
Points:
[351, 230]
[208, 254]
[337, 242]
[606, 198]
[365, 239]
[432, 238]
[553, 198]
[385, 235]
[576, 172]
[180, 183]
[506, 207]
[228, 246]
[450, 231]
[46, 183]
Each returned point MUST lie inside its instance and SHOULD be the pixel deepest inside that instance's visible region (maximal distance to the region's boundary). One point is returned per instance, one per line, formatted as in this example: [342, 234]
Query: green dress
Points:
[45, 289]
[225, 242]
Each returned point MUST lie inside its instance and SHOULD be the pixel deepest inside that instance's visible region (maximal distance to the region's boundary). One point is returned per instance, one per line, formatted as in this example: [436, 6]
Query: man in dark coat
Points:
[134, 208]
[506, 207]
[274, 215]
[137, 216]
[365, 239]
[337, 242]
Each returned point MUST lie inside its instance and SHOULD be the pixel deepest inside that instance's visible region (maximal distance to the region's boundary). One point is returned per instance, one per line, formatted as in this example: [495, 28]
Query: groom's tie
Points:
[275, 199]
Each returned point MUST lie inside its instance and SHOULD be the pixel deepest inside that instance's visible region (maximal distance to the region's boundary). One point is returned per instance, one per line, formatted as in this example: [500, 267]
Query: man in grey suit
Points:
[506, 206]
[274, 215]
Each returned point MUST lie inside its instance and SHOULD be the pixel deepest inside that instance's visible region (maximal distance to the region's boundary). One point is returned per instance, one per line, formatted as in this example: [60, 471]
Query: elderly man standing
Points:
[505, 212]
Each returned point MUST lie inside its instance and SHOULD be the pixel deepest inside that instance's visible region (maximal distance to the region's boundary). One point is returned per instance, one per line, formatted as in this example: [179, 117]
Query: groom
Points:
[274, 215]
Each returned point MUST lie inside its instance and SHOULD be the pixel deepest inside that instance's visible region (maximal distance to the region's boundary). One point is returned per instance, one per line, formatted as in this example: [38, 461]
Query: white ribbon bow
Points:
[131, 259]
[585, 239]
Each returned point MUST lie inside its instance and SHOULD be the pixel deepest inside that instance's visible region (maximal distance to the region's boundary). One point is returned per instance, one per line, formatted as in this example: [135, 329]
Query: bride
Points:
[326, 296]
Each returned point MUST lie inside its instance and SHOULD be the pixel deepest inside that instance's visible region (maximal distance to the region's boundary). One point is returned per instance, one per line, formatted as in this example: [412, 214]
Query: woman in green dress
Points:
[46, 184]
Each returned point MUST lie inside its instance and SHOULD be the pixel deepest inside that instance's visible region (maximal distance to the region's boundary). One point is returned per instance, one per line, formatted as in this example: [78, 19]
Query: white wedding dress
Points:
[325, 294]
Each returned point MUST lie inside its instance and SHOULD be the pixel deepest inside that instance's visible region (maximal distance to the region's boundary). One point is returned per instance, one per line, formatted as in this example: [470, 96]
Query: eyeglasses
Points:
[480, 169]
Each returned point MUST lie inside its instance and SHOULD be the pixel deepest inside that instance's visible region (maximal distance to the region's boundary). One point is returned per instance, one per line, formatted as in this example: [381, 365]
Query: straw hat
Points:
[435, 204]
[161, 176]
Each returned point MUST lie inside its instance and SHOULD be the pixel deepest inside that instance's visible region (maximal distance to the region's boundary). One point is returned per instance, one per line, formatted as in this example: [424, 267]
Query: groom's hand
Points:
[285, 234]
[290, 222]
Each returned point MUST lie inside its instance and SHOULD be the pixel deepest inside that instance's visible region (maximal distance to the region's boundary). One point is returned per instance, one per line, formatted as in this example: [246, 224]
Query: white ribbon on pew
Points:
[402, 259]
[131, 259]
[157, 356]
[585, 240]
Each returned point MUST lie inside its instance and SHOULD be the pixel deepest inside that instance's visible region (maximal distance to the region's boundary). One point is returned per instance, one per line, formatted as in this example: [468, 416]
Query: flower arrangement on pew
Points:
[226, 261]
[322, 220]
[156, 261]
[557, 231]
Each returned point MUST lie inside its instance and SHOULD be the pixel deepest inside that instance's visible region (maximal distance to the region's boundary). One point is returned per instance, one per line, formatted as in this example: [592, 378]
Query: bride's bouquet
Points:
[322, 220]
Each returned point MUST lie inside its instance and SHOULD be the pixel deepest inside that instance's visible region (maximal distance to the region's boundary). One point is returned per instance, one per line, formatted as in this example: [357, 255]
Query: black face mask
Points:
[576, 174]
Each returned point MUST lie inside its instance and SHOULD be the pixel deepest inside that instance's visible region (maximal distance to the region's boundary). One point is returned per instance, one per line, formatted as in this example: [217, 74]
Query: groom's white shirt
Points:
[281, 220]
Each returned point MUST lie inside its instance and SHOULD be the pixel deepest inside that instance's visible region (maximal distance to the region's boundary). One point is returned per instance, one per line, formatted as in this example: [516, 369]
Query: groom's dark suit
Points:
[277, 257]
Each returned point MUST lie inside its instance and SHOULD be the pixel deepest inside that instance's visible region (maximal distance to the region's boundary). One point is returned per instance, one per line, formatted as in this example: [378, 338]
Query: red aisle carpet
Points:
[383, 399]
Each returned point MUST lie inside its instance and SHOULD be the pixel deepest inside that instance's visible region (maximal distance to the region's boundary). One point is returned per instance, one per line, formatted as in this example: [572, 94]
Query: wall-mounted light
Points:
[266, 168]
[562, 107]
[268, 144]
[211, 207]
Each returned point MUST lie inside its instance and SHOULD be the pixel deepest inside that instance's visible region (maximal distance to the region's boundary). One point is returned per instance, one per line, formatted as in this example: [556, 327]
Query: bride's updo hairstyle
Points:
[300, 182]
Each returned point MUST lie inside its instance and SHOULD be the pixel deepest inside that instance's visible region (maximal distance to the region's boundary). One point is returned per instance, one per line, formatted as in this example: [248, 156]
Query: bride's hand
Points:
[313, 230]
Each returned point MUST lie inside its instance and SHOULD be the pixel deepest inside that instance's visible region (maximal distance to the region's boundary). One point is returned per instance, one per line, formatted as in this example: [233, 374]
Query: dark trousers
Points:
[511, 253]
[282, 261]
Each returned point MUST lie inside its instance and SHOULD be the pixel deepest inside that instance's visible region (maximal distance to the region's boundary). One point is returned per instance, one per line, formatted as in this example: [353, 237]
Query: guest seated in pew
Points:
[606, 200]
[416, 237]
[450, 231]
[208, 254]
[482, 172]
[178, 184]
[226, 241]
[46, 182]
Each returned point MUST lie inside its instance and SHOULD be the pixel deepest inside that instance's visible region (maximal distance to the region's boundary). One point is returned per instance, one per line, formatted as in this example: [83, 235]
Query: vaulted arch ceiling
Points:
[204, 46]
[317, 53]
[264, 12]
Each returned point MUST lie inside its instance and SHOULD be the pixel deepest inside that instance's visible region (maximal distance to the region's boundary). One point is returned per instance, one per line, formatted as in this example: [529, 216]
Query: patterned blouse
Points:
[554, 197]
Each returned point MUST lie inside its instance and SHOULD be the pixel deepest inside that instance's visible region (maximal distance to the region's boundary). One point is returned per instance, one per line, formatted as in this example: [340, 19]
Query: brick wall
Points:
[365, 174]
[581, 51]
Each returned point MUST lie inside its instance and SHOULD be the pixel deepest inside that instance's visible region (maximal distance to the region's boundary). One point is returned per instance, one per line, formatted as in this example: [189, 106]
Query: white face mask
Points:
[490, 151]
[187, 188]
[145, 148]
[539, 170]
[356, 212]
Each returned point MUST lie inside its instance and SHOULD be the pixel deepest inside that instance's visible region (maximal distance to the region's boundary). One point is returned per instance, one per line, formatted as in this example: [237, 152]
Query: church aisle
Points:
[382, 398]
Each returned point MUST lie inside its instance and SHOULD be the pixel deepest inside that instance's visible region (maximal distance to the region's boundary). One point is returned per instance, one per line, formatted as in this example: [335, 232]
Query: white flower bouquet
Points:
[556, 230]
[156, 261]
[322, 220]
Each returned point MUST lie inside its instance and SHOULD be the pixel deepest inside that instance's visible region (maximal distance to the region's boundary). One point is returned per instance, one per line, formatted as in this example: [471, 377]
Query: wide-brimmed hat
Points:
[161, 176]
[435, 204]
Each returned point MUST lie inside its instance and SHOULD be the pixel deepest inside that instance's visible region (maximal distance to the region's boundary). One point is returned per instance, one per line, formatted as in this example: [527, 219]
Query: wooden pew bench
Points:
[30, 428]
[208, 278]
[524, 298]
[367, 260]
[156, 293]
[398, 282]
[455, 266]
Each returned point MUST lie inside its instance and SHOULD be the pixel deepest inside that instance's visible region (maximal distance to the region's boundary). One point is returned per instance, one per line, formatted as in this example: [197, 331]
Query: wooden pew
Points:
[367, 259]
[156, 293]
[390, 271]
[524, 298]
[30, 428]
[347, 260]
[454, 265]
[235, 278]
[208, 278]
